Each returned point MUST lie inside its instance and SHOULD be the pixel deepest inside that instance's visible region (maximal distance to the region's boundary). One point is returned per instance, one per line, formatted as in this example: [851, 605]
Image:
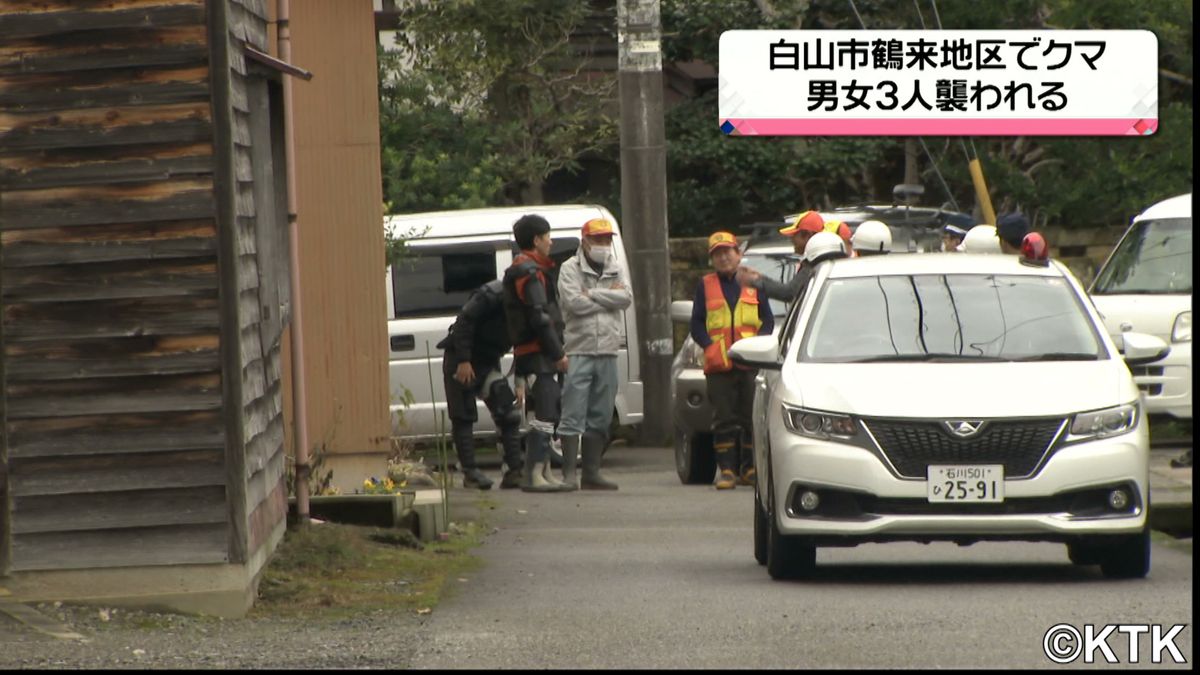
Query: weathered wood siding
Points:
[260, 248]
[114, 331]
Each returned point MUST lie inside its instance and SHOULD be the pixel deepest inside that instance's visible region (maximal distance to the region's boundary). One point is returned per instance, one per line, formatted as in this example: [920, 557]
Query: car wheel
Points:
[695, 461]
[1127, 558]
[788, 557]
[760, 530]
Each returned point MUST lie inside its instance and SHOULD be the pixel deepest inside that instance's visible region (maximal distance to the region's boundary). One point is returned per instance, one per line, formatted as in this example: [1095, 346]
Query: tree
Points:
[506, 100]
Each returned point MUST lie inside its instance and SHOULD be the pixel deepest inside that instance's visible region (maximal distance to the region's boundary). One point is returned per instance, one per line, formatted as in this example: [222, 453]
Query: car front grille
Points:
[912, 445]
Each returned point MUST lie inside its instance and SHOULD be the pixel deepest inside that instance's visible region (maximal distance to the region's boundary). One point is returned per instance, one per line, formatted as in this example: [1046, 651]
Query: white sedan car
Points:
[948, 397]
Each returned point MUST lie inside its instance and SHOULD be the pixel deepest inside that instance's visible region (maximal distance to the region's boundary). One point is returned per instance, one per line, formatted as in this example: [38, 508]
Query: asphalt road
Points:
[661, 575]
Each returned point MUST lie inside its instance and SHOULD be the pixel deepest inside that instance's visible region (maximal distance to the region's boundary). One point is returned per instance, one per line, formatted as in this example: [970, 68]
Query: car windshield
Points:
[777, 266]
[957, 317]
[1155, 257]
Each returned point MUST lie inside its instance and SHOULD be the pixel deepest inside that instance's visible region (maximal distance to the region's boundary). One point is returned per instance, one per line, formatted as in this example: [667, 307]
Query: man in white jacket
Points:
[593, 289]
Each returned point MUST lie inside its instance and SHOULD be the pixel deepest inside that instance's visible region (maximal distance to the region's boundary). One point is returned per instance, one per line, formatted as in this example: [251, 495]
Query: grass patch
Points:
[1165, 428]
[337, 570]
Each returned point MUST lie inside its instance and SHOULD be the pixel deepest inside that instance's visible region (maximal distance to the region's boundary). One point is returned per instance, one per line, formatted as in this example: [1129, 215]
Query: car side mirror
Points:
[760, 351]
[681, 311]
[1141, 349]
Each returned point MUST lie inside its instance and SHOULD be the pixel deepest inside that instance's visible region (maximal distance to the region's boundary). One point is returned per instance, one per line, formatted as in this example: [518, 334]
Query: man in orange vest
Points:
[724, 312]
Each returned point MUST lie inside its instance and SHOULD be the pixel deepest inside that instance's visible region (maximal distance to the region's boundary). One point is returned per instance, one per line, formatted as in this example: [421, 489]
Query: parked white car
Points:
[948, 397]
[1145, 285]
[455, 252]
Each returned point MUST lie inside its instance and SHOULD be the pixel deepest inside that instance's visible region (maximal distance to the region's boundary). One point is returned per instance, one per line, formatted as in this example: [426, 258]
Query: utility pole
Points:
[644, 203]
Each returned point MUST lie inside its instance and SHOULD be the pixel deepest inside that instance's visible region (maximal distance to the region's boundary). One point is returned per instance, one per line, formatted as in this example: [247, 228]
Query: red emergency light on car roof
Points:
[1034, 250]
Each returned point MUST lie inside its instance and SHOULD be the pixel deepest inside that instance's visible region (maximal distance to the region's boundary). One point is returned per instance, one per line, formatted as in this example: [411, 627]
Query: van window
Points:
[561, 248]
[438, 281]
[1154, 257]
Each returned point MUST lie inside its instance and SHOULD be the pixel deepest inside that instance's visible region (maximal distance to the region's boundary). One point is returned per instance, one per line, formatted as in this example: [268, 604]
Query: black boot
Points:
[510, 440]
[592, 448]
[464, 444]
[725, 447]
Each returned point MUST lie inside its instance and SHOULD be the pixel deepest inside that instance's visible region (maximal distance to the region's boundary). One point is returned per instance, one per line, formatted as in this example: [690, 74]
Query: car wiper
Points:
[1059, 356]
[935, 356]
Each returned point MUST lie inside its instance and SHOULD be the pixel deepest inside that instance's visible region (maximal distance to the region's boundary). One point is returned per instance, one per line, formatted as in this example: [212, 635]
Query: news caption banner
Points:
[938, 83]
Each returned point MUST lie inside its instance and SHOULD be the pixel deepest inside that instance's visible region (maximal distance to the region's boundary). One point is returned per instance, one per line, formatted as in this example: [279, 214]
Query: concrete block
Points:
[430, 509]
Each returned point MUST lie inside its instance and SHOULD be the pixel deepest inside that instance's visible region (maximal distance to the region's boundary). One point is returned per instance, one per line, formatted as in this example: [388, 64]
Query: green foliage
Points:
[486, 109]
[480, 103]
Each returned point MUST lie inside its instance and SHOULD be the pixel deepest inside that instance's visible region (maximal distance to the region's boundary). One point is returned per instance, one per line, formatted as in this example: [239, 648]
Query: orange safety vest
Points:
[726, 327]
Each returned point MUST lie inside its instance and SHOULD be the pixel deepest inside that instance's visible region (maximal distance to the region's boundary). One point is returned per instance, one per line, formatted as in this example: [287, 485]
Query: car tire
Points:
[695, 461]
[788, 557]
[1127, 558]
[760, 530]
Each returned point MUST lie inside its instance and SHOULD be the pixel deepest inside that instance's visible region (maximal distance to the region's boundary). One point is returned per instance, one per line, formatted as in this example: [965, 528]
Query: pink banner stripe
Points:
[941, 127]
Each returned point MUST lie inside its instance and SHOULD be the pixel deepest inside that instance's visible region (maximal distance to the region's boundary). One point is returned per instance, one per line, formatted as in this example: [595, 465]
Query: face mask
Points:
[598, 254]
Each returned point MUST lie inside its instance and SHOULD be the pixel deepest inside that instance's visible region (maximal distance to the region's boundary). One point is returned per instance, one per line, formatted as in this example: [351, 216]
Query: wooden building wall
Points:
[118, 312]
[340, 211]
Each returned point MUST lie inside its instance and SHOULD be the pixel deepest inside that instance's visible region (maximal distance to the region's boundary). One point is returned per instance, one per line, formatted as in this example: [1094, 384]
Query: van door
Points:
[427, 291]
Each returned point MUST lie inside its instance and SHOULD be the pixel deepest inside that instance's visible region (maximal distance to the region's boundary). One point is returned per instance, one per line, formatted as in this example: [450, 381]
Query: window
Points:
[1155, 257]
[439, 280]
[962, 316]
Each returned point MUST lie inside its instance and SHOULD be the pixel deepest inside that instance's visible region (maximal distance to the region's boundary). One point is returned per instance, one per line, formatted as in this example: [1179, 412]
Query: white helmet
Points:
[822, 245]
[981, 239]
[872, 236]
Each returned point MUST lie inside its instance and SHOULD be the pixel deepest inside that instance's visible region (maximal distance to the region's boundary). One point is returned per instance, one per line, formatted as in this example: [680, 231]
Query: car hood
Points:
[983, 390]
[1152, 314]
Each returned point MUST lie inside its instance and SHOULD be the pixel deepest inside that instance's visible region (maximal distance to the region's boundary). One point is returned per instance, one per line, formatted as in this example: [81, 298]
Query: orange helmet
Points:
[809, 221]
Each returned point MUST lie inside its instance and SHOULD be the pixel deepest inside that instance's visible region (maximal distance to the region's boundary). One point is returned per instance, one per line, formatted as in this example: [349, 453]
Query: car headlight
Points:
[1102, 423]
[815, 424]
[1182, 330]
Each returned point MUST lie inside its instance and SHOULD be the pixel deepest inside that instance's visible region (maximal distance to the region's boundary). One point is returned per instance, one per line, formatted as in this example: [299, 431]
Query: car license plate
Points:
[966, 483]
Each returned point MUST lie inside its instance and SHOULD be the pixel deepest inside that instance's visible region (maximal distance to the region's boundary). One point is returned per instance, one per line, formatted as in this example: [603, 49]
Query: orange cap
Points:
[597, 226]
[809, 221]
[721, 240]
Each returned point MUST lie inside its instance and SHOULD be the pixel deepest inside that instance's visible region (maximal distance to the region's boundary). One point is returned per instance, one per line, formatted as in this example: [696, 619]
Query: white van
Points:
[1146, 286]
[455, 252]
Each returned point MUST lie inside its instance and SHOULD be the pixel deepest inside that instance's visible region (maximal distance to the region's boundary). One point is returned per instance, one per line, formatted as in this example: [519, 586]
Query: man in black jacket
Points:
[477, 341]
[535, 327]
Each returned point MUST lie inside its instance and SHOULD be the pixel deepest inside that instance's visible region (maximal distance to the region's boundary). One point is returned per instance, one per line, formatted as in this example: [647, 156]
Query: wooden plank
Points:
[112, 318]
[104, 511]
[132, 547]
[168, 131]
[117, 472]
[186, 205]
[108, 281]
[105, 173]
[267, 515]
[261, 483]
[171, 54]
[99, 435]
[262, 447]
[36, 254]
[29, 369]
[107, 396]
[42, 100]
[243, 166]
[31, 24]
[223, 184]
[249, 311]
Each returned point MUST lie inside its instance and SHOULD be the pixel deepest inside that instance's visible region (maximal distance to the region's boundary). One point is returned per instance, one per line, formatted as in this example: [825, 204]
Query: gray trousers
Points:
[589, 393]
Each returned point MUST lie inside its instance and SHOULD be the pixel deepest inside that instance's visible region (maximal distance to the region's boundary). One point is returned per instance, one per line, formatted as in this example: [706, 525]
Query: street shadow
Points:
[934, 573]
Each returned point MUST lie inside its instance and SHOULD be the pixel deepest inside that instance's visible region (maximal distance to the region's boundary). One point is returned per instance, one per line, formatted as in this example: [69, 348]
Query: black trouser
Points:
[544, 399]
[501, 403]
[731, 395]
